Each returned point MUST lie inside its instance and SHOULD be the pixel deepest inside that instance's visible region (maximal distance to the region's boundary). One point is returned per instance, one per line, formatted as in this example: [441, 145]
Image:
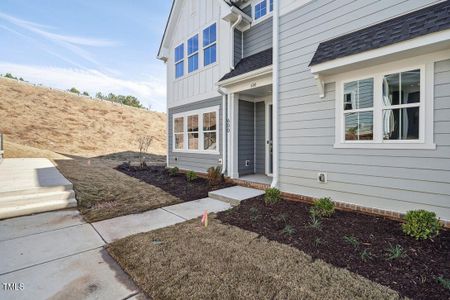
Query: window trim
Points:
[200, 113]
[426, 111]
[176, 62]
[209, 45]
[193, 53]
[177, 133]
[268, 14]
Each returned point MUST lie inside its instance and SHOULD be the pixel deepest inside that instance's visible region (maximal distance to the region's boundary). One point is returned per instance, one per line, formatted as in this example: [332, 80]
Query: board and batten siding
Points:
[195, 16]
[198, 162]
[396, 180]
[258, 37]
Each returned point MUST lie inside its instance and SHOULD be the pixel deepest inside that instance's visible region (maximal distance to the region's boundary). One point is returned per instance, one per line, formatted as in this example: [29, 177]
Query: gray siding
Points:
[397, 180]
[194, 161]
[260, 144]
[248, 10]
[246, 138]
[258, 37]
[237, 46]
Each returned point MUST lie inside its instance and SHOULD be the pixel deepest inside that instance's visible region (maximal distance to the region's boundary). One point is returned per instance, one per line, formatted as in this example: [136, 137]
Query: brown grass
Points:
[187, 261]
[103, 193]
[69, 124]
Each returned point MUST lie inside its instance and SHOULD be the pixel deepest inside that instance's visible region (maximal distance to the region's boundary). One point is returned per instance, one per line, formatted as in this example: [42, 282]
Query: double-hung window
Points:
[262, 8]
[193, 53]
[209, 45]
[198, 128]
[179, 61]
[385, 108]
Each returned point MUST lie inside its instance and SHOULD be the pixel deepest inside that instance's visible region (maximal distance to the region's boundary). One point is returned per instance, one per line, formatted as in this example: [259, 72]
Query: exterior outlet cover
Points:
[247, 163]
[322, 177]
[175, 158]
[220, 161]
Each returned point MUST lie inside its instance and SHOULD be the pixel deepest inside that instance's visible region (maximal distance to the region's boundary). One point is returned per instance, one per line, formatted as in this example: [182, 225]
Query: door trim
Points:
[268, 103]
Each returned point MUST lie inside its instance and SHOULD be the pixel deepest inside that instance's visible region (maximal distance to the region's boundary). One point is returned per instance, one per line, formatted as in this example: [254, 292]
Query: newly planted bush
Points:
[421, 224]
[323, 207]
[351, 240]
[254, 214]
[314, 222]
[444, 282]
[191, 176]
[288, 230]
[215, 175]
[173, 171]
[272, 196]
[366, 255]
[395, 252]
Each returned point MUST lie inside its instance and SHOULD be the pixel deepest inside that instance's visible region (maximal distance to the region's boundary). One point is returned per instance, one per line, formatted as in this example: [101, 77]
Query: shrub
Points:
[323, 207]
[288, 230]
[215, 175]
[74, 90]
[366, 255]
[314, 222]
[395, 252]
[173, 171]
[272, 196]
[351, 240]
[444, 282]
[421, 224]
[191, 176]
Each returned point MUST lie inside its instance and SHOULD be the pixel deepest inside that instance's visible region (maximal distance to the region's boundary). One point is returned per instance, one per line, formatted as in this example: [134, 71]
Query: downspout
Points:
[275, 94]
[239, 19]
[224, 130]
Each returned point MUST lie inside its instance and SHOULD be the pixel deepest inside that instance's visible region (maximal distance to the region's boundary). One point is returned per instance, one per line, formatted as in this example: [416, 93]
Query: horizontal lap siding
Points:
[237, 46]
[397, 180]
[246, 142]
[258, 37]
[194, 161]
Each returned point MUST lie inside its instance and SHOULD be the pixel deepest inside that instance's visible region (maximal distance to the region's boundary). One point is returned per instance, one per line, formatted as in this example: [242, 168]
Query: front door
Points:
[269, 138]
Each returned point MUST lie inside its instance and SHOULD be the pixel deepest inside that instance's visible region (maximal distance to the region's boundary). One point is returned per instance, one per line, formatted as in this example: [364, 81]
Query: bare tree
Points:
[144, 143]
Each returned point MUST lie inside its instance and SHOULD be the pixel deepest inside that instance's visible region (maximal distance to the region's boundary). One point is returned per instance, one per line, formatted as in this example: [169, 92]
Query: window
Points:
[260, 9]
[178, 131]
[192, 131]
[389, 106]
[179, 61]
[271, 5]
[200, 132]
[209, 45]
[401, 104]
[193, 54]
[358, 110]
[209, 131]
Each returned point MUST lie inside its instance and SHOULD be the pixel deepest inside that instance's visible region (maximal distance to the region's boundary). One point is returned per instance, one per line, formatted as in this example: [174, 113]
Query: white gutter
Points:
[224, 130]
[239, 19]
[275, 95]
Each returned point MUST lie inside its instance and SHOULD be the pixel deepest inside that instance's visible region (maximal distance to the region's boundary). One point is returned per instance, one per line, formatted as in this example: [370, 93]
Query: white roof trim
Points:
[246, 76]
[420, 45]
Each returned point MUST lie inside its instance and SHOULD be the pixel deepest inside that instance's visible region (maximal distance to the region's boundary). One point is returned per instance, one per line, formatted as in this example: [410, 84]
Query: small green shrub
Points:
[254, 214]
[395, 252]
[173, 171]
[421, 224]
[215, 175]
[272, 196]
[191, 176]
[351, 240]
[288, 230]
[444, 282]
[318, 241]
[323, 207]
[314, 222]
[366, 255]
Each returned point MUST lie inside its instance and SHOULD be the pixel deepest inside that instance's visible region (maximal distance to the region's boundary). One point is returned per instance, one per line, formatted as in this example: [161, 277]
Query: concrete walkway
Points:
[32, 185]
[57, 255]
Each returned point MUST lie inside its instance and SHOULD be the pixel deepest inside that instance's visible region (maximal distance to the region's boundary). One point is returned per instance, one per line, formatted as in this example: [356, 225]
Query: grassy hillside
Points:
[68, 124]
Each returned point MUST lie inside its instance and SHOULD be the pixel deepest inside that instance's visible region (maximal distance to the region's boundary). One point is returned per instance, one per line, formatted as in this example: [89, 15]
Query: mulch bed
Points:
[177, 185]
[413, 275]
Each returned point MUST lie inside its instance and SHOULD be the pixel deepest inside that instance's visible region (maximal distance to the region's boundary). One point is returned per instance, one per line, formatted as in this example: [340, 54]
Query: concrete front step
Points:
[234, 195]
[35, 203]
[36, 190]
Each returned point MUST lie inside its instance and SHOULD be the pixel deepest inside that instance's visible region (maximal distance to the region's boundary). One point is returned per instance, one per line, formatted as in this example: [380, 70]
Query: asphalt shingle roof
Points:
[421, 22]
[253, 62]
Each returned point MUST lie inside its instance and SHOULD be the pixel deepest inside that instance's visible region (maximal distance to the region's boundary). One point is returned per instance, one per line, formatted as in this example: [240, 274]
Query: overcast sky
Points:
[93, 45]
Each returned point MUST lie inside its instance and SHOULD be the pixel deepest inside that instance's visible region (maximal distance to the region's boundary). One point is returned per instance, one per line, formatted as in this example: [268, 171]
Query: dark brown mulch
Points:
[177, 185]
[414, 275]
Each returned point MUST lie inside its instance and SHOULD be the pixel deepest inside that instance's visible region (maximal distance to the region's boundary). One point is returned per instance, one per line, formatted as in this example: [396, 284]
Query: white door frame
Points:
[268, 102]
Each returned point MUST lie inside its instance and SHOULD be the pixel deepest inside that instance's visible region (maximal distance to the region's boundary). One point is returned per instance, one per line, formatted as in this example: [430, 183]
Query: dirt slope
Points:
[68, 124]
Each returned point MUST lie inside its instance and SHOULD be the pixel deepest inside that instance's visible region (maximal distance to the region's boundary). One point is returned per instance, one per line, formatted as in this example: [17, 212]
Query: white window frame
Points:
[176, 62]
[177, 132]
[426, 133]
[200, 113]
[268, 14]
[209, 45]
[193, 53]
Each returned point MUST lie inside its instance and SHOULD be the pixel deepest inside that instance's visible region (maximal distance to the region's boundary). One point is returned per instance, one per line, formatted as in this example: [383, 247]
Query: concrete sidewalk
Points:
[57, 255]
